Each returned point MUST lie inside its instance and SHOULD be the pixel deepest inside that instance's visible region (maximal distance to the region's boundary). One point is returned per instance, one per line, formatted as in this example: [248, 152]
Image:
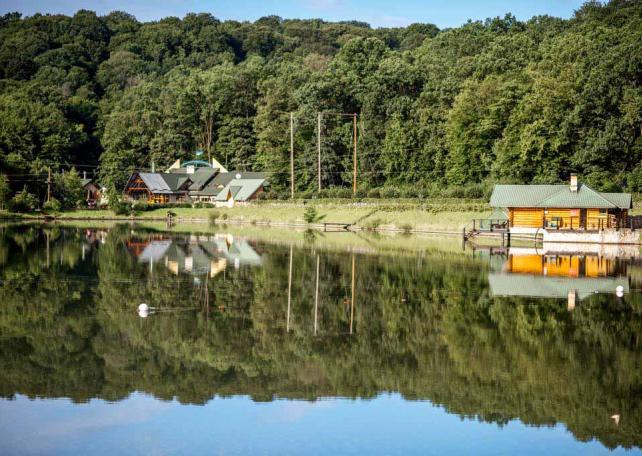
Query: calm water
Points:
[316, 346]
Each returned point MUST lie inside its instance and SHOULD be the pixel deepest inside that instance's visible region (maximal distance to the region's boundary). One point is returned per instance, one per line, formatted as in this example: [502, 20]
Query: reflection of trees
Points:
[425, 326]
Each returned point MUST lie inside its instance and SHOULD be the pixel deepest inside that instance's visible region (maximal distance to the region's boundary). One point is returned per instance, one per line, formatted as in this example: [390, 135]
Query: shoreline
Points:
[331, 216]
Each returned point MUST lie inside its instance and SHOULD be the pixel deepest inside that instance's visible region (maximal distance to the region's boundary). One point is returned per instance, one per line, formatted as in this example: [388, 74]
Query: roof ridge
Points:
[595, 192]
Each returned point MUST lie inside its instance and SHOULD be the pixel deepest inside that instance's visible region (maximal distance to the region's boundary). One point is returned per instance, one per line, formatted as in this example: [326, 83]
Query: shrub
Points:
[374, 193]
[310, 215]
[121, 208]
[342, 193]
[140, 206]
[224, 216]
[390, 192]
[406, 227]
[306, 194]
[53, 205]
[24, 201]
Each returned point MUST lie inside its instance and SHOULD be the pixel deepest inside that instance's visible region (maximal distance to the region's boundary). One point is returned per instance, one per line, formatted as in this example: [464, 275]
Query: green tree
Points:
[5, 191]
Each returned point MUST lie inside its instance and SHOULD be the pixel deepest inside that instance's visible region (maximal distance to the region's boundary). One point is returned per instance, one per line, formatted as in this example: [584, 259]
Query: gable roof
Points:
[240, 189]
[175, 181]
[155, 183]
[546, 196]
[222, 179]
[201, 177]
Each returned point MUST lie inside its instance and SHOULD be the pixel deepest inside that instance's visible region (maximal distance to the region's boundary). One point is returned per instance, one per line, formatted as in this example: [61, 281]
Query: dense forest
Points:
[425, 326]
[441, 112]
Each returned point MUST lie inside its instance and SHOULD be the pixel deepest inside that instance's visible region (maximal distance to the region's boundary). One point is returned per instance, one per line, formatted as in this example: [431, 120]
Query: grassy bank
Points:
[408, 215]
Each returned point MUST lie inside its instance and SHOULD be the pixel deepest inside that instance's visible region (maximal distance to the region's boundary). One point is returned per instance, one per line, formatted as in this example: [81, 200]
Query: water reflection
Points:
[307, 322]
[559, 273]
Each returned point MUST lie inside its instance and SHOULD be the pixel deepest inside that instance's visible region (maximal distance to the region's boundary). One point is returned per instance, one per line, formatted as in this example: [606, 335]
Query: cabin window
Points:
[602, 211]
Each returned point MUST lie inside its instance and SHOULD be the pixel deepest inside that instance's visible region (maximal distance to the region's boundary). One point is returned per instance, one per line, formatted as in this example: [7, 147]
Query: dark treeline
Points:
[441, 111]
[425, 326]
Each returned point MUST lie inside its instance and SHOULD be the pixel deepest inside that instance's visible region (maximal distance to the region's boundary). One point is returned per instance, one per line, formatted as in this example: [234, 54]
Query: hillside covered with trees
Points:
[441, 112]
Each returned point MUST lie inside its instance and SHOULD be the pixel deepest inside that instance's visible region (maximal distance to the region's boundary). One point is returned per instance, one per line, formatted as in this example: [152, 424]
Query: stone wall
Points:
[624, 236]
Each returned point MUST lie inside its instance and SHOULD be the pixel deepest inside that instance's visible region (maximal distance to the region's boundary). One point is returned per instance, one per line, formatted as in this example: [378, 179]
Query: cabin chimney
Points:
[573, 182]
[84, 175]
[153, 167]
[190, 169]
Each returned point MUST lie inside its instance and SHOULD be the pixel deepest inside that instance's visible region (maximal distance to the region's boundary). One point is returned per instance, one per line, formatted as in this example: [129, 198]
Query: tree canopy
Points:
[499, 100]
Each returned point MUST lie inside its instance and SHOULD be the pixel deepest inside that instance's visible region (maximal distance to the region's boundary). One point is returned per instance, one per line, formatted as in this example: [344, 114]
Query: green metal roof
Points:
[545, 196]
[502, 284]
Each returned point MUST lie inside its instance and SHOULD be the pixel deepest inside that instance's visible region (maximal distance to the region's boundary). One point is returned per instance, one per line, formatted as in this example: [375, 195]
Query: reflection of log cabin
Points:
[530, 208]
[562, 265]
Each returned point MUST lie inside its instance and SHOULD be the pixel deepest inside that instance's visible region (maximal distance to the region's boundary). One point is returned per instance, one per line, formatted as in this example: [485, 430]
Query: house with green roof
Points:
[195, 181]
[573, 207]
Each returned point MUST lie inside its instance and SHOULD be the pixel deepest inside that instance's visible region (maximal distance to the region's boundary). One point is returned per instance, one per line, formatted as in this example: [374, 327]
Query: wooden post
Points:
[292, 155]
[287, 324]
[319, 148]
[354, 156]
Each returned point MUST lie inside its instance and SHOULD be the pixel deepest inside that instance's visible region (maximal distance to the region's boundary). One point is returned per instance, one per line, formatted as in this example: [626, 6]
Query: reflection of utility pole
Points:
[352, 295]
[287, 324]
[292, 155]
[354, 156]
[48, 258]
[316, 298]
[207, 299]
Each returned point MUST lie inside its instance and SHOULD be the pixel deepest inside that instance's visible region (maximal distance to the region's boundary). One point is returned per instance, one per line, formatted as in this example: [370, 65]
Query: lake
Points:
[130, 339]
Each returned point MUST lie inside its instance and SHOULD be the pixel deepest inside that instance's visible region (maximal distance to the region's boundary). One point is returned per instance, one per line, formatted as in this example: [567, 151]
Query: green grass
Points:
[439, 215]
[365, 216]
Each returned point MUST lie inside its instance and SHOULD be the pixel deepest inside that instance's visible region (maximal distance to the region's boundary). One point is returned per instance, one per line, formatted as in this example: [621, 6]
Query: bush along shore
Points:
[447, 215]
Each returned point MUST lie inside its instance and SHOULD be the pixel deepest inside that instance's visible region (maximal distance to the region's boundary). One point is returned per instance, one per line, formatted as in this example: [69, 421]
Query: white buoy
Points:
[619, 291]
[143, 310]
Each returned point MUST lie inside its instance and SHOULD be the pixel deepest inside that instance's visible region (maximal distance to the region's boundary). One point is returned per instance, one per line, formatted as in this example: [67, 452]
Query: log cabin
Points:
[573, 207]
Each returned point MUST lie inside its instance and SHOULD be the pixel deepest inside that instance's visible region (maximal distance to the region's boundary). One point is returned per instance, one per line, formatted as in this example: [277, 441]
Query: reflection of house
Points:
[533, 208]
[203, 255]
[502, 284]
[553, 275]
[195, 181]
[562, 265]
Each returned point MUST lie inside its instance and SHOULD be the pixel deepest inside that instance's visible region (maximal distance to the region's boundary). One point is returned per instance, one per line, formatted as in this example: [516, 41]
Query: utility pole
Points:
[354, 156]
[292, 155]
[49, 185]
[319, 147]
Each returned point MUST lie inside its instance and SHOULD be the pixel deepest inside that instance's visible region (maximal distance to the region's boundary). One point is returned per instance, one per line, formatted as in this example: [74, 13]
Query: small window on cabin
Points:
[602, 211]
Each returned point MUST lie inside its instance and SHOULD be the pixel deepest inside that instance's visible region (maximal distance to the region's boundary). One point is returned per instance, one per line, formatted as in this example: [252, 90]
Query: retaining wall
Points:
[624, 236]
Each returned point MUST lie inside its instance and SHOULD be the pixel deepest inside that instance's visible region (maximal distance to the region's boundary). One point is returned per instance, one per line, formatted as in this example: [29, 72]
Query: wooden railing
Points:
[490, 224]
